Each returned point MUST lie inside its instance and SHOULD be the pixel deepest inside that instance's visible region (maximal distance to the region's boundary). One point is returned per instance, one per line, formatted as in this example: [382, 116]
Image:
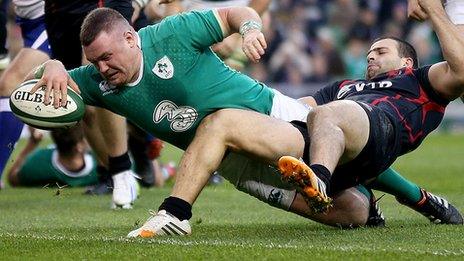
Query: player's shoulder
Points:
[41, 155]
[187, 18]
[85, 74]
[83, 71]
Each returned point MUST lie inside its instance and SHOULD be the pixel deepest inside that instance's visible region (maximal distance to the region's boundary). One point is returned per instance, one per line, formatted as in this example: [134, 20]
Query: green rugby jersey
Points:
[41, 167]
[182, 82]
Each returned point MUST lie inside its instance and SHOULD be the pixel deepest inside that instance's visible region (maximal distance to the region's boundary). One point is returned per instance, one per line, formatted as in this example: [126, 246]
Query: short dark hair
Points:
[67, 139]
[405, 49]
[100, 19]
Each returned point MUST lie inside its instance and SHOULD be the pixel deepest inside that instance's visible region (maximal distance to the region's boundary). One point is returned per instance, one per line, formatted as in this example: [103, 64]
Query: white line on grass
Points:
[160, 241]
[242, 244]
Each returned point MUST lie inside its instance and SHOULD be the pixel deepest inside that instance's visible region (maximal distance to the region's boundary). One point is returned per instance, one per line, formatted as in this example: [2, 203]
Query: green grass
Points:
[227, 224]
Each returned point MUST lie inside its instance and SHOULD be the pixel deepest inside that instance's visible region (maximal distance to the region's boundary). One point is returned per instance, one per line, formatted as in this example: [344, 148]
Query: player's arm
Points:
[309, 100]
[447, 78]
[324, 95]
[260, 6]
[31, 145]
[246, 21]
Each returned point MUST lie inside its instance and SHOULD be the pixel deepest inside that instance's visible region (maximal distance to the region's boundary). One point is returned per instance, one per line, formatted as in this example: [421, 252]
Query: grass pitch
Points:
[227, 224]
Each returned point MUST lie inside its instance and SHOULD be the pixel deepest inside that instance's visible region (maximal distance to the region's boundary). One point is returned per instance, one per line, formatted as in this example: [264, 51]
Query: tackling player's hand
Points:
[428, 5]
[254, 45]
[55, 79]
[415, 11]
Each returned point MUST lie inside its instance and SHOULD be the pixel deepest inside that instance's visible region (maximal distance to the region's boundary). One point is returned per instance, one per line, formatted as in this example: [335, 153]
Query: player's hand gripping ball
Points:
[30, 108]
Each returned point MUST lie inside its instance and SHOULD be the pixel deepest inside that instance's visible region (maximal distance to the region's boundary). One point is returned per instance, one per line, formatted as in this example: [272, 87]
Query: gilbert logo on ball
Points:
[31, 109]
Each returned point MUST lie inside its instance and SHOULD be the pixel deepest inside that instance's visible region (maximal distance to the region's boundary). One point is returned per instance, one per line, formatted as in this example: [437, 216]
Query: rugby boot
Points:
[162, 224]
[375, 218]
[125, 190]
[308, 184]
[438, 210]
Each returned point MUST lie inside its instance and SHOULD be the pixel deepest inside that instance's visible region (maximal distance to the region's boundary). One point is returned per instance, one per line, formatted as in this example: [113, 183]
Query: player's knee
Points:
[321, 114]
[13, 179]
[216, 123]
[354, 207]
[8, 82]
[90, 116]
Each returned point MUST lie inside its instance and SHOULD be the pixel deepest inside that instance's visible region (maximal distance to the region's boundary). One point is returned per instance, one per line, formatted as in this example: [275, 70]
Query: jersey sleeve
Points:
[327, 93]
[422, 75]
[30, 174]
[197, 29]
[83, 77]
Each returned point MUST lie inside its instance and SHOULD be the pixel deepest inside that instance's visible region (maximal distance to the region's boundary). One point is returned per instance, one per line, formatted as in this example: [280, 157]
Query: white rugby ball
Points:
[32, 111]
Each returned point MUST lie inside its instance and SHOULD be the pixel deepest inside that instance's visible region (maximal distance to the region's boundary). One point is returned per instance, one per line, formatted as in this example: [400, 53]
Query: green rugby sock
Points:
[393, 183]
[364, 190]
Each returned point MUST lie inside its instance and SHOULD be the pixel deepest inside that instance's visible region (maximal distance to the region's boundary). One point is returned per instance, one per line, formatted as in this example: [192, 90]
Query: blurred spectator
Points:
[326, 47]
[364, 28]
[291, 61]
[355, 57]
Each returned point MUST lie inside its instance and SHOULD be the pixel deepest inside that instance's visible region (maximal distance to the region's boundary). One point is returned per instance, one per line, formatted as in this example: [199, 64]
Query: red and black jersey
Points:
[405, 95]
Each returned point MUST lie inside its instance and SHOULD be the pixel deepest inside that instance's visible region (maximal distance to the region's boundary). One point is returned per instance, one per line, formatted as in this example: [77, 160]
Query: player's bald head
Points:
[102, 20]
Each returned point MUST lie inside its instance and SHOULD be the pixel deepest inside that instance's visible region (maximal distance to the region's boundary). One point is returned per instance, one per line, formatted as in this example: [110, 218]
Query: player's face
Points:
[113, 54]
[383, 57]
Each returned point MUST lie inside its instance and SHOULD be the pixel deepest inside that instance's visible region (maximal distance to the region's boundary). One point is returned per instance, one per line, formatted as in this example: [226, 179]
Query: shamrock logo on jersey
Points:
[181, 118]
[163, 68]
[107, 88]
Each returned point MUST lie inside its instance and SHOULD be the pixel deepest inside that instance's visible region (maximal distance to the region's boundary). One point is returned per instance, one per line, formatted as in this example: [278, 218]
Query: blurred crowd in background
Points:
[312, 42]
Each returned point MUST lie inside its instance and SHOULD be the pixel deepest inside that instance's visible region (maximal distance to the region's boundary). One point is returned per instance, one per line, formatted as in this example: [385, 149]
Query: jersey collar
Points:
[88, 161]
[139, 78]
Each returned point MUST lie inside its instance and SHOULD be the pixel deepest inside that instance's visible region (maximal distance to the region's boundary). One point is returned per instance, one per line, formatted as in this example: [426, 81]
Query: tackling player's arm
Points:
[324, 95]
[447, 78]
[309, 100]
[246, 21]
[259, 6]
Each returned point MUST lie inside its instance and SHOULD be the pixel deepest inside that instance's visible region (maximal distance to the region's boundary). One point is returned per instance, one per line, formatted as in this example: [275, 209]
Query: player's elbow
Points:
[456, 87]
[13, 179]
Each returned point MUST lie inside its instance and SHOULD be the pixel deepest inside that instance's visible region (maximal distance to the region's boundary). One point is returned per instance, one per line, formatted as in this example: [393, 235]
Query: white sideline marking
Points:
[160, 241]
[176, 242]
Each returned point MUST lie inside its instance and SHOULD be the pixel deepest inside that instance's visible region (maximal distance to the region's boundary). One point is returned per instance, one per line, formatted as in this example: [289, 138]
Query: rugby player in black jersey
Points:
[362, 126]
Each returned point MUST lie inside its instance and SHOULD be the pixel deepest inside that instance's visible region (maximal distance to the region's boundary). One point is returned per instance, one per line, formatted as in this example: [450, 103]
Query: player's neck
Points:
[138, 65]
[72, 163]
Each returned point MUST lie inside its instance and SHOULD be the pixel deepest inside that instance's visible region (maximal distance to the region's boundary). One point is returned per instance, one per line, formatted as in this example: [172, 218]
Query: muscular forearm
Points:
[451, 39]
[233, 17]
[260, 6]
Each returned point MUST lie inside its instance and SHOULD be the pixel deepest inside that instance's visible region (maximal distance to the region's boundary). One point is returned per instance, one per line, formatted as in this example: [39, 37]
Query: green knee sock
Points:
[393, 183]
[364, 190]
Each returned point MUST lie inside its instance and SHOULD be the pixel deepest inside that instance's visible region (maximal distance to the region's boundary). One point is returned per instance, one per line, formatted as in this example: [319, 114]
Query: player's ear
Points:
[131, 38]
[408, 62]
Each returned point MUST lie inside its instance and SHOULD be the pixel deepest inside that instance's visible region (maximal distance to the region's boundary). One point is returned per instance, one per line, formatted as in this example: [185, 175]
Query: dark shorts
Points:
[64, 25]
[380, 152]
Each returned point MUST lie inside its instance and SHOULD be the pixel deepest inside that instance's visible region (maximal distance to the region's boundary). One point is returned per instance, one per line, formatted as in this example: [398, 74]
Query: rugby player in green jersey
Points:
[68, 163]
[166, 80]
